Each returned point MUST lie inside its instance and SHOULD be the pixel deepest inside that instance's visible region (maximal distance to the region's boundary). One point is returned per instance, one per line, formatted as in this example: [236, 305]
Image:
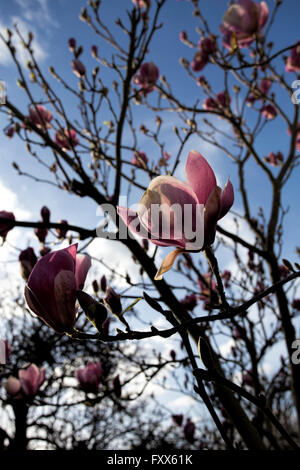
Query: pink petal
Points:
[130, 218]
[263, 13]
[227, 198]
[83, 264]
[65, 298]
[200, 176]
[162, 208]
[211, 215]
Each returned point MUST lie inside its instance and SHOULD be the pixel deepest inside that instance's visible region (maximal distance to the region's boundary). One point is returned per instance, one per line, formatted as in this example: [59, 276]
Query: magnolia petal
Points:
[65, 298]
[132, 221]
[162, 207]
[167, 263]
[227, 198]
[200, 176]
[83, 264]
[12, 385]
[263, 13]
[211, 215]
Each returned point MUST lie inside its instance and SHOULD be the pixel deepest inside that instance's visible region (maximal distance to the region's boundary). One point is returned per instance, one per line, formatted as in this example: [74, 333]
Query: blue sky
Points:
[53, 23]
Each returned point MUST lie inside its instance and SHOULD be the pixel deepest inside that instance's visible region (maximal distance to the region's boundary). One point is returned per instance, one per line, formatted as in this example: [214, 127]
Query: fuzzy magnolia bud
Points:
[45, 214]
[27, 260]
[117, 386]
[95, 311]
[112, 299]
[103, 283]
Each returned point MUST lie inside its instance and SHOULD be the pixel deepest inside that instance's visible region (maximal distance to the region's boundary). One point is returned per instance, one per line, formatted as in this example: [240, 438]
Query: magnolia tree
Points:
[227, 276]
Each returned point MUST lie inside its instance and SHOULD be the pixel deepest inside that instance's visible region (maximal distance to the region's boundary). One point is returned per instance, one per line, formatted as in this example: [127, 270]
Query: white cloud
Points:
[22, 54]
[36, 11]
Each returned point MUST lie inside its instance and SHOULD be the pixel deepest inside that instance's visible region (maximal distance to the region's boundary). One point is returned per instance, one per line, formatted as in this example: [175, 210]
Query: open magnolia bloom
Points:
[51, 289]
[184, 215]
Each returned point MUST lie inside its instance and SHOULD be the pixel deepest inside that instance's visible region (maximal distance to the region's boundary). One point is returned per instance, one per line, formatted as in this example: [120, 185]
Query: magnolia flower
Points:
[293, 62]
[66, 139]
[72, 44]
[296, 304]
[177, 419]
[62, 232]
[142, 3]
[221, 101]
[78, 68]
[5, 227]
[27, 260]
[242, 21]
[140, 159]
[9, 132]
[268, 111]
[189, 301]
[51, 289]
[45, 214]
[94, 51]
[40, 116]
[147, 76]
[12, 386]
[184, 215]
[275, 159]
[89, 377]
[31, 379]
[189, 431]
[41, 234]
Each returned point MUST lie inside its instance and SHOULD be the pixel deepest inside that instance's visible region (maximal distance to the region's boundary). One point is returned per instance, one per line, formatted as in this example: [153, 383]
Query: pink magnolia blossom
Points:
[177, 419]
[189, 301]
[78, 68]
[117, 387]
[72, 44]
[199, 61]
[275, 159]
[293, 62]
[189, 431]
[242, 21]
[62, 232]
[41, 234]
[31, 379]
[40, 116]
[27, 260]
[147, 76]
[45, 214]
[51, 289]
[10, 131]
[164, 192]
[226, 275]
[12, 386]
[221, 102]
[268, 111]
[183, 36]
[94, 51]
[4, 226]
[263, 89]
[140, 159]
[89, 377]
[66, 139]
[142, 3]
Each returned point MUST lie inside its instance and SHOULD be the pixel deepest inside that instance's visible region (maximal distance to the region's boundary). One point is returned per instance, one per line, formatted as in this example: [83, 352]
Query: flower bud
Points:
[112, 299]
[45, 214]
[27, 260]
[95, 311]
